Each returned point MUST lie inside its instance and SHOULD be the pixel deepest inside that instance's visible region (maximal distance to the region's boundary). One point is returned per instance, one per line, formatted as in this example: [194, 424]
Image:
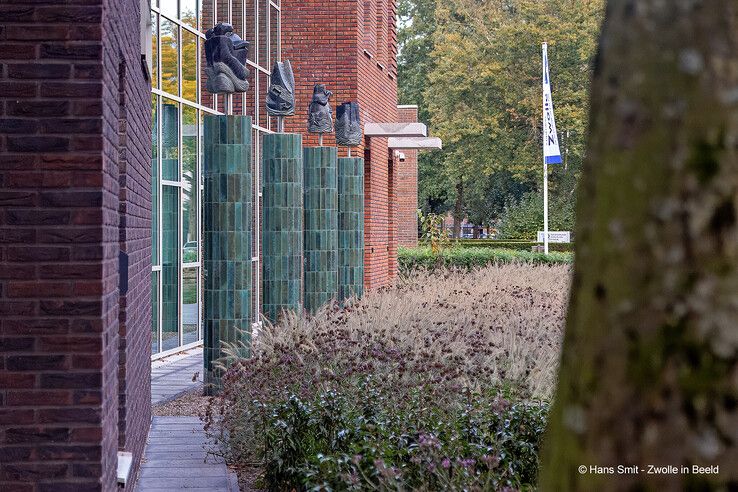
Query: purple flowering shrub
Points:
[441, 383]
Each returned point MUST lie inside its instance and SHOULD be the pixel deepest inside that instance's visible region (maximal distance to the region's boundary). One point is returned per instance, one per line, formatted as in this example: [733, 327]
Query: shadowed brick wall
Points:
[350, 45]
[407, 187]
[74, 193]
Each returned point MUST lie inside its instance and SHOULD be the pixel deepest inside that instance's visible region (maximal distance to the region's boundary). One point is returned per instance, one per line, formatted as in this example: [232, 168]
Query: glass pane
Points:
[206, 15]
[273, 35]
[264, 33]
[155, 179]
[188, 9]
[190, 312]
[223, 13]
[237, 19]
[154, 50]
[169, 7]
[189, 185]
[263, 88]
[154, 312]
[189, 65]
[169, 139]
[170, 267]
[169, 58]
[249, 28]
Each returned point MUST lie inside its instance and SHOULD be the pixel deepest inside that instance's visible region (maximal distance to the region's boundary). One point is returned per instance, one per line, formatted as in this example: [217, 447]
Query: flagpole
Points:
[545, 206]
[545, 168]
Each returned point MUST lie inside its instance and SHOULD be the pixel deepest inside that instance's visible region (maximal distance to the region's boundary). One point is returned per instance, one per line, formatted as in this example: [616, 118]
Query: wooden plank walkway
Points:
[176, 450]
[176, 459]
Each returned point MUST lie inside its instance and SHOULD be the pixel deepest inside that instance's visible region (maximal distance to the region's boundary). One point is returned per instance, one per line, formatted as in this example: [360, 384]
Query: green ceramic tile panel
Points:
[321, 227]
[282, 231]
[350, 227]
[227, 220]
[170, 251]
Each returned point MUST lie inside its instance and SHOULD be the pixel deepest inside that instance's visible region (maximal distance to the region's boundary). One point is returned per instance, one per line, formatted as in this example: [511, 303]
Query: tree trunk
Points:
[458, 209]
[649, 369]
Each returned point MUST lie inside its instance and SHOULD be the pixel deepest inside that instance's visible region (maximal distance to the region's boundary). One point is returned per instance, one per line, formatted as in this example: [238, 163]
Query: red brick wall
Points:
[127, 138]
[336, 43]
[62, 189]
[407, 187]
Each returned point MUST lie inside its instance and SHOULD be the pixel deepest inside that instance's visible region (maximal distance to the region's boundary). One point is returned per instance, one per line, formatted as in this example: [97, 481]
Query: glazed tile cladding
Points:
[350, 227]
[282, 229]
[228, 215]
[321, 226]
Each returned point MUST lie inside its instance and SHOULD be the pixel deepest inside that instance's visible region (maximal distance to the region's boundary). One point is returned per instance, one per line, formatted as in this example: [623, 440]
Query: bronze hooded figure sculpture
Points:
[320, 116]
[280, 99]
[225, 54]
[348, 124]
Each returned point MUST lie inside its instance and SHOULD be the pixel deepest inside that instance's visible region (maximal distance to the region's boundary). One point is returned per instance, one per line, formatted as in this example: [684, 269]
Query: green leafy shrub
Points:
[375, 441]
[439, 383]
[523, 219]
[515, 244]
[410, 259]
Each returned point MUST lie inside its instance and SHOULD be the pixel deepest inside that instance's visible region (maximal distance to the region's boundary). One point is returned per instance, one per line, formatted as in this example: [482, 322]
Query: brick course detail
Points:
[75, 207]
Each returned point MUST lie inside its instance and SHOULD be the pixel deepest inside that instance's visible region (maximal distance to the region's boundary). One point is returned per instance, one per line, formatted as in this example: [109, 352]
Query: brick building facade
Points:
[351, 47]
[74, 231]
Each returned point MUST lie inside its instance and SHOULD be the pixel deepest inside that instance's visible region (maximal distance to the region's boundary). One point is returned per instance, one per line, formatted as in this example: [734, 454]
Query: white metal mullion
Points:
[197, 191]
[160, 147]
[180, 227]
[186, 102]
[256, 29]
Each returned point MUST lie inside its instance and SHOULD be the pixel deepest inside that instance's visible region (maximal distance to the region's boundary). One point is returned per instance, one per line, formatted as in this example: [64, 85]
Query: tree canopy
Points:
[474, 68]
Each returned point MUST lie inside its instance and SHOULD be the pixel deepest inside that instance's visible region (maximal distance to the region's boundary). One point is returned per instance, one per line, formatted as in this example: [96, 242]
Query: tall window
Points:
[179, 104]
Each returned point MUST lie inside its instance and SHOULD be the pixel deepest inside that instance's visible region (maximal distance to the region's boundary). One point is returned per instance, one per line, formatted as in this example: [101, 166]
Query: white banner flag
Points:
[551, 152]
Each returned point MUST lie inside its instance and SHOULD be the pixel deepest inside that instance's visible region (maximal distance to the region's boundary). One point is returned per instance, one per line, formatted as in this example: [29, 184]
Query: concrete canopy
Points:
[395, 130]
[414, 143]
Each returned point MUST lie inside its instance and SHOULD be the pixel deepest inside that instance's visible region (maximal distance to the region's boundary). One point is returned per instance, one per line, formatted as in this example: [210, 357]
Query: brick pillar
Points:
[406, 188]
[321, 226]
[74, 195]
[228, 215]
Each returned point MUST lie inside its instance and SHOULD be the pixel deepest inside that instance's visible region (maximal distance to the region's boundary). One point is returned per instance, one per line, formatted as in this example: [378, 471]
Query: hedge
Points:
[413, 258]
[505, 244]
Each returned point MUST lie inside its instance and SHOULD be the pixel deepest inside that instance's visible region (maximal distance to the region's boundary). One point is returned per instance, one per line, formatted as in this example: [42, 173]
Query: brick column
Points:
[74, 244]
[406, 188]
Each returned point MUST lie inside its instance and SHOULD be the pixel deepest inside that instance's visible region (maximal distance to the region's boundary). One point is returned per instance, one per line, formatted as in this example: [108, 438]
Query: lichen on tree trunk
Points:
[649, 369]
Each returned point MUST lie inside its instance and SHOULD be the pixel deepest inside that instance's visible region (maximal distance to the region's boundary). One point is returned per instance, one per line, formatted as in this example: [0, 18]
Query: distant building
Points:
[468, 230]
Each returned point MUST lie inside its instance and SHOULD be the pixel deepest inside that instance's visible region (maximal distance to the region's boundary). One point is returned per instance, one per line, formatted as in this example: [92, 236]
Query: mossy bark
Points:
[649, 369]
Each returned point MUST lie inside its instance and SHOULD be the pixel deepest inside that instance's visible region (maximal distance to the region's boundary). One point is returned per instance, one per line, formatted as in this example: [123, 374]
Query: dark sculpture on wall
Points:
[281, 96]
[320, 116]
[348, 125]
[226, 55]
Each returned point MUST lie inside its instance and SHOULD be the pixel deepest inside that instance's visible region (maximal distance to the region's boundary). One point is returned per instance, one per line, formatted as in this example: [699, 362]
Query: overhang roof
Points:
[395, 130]
[417, 143]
